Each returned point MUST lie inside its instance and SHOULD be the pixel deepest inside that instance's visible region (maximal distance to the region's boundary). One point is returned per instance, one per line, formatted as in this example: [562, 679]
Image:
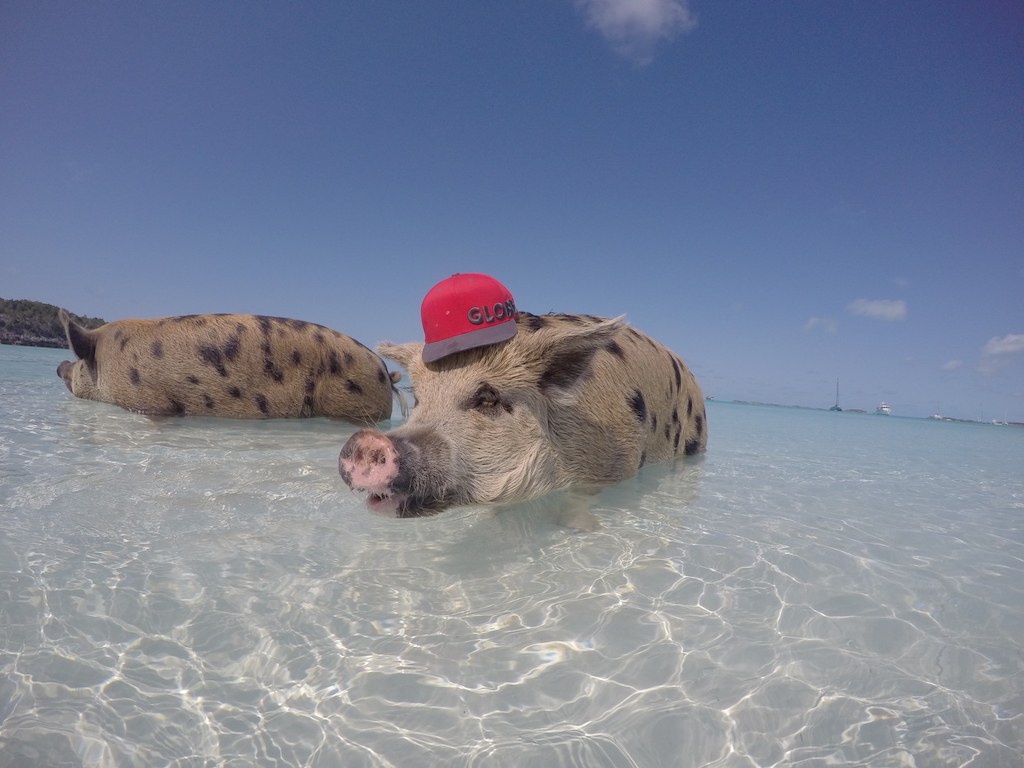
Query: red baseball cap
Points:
[464, 311]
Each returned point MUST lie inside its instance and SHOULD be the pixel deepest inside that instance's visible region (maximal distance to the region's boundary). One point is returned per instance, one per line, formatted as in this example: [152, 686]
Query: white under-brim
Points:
[478, 337]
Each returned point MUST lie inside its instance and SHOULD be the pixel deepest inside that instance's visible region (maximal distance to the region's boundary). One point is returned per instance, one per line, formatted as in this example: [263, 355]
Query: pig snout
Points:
[391, 469]
[369, 462]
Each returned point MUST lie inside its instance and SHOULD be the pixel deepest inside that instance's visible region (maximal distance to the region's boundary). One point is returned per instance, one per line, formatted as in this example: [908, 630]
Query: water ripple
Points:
[193, 593]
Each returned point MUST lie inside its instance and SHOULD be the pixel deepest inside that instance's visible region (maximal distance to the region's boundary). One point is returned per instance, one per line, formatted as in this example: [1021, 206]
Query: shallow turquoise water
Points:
[820, 589]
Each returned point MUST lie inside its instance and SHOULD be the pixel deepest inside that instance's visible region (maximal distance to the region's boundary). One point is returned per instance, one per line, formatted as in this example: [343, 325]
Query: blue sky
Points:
[785, 193]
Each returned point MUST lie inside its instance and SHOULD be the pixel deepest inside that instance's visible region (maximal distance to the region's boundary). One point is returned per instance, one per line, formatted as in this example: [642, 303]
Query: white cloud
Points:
[952, 365]
[825, 324]
[879, 309]
[1010, 344]
[635, 27]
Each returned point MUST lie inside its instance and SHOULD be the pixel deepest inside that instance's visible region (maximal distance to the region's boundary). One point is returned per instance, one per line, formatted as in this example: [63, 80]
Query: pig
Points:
[234, 366]
[569, 402]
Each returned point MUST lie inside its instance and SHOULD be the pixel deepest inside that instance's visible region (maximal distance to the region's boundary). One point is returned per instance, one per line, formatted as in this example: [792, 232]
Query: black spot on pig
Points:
[692, 447]
[231, 348]
[211, 356]
[191, 379]
[351, 386]
[133, 376]
[296, 357]
[271, 370]
[261, 403]
[534, 322]
[564, 370]
[639, 406]
[613, 347]
[157, 349]
[208, 402]
[235, 392]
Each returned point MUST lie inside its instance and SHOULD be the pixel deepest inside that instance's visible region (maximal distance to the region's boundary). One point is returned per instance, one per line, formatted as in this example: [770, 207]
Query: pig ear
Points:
[80, 341]
[569, 358]
[403, 354]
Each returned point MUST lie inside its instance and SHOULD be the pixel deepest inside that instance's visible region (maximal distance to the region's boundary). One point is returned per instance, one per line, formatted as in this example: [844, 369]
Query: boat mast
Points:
[836, 406]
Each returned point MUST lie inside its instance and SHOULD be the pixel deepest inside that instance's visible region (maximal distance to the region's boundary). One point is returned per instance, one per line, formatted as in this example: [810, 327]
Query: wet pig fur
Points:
[571, 401]
[234, 366]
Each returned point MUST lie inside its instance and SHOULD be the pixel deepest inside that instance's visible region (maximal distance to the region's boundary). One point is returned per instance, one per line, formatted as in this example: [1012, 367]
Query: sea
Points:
[819, 589]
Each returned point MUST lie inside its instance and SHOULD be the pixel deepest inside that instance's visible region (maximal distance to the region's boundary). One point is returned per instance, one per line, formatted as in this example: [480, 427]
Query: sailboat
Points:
[836, 406]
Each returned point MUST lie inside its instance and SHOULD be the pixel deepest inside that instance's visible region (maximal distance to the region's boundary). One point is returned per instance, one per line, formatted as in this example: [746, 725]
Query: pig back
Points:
[238, 366]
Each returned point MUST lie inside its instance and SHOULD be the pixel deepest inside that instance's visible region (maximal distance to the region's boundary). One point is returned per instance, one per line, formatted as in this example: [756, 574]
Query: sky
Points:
[788, 194]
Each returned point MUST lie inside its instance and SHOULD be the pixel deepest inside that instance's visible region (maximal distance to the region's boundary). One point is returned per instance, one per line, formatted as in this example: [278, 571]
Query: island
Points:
[26, 323]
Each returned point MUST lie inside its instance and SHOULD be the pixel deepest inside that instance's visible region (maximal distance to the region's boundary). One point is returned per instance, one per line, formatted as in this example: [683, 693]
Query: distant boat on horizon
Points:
[836, 406]
[883, 409]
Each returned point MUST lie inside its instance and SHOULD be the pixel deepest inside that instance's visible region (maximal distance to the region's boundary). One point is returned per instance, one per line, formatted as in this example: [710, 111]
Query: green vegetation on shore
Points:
[35, 324]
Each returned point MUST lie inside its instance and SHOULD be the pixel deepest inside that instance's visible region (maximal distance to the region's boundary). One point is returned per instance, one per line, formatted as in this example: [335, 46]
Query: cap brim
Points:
[478, 337]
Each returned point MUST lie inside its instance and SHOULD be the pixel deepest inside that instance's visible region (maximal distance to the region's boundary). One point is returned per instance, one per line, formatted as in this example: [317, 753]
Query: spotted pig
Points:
[571, 401]
[235, 366]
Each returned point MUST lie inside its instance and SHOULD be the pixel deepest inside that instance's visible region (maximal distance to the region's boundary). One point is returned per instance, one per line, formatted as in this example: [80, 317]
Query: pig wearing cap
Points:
[563, 402]
[236, 366]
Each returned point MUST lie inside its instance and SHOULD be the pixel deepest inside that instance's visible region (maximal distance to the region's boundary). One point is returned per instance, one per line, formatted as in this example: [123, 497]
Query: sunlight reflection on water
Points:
[821, 588]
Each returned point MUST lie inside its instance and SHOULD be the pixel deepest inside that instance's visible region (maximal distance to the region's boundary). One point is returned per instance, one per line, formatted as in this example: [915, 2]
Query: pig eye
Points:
[487, 400]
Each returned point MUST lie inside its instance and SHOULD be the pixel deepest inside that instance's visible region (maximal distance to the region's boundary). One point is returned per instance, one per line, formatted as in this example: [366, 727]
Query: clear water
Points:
[821, 589]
